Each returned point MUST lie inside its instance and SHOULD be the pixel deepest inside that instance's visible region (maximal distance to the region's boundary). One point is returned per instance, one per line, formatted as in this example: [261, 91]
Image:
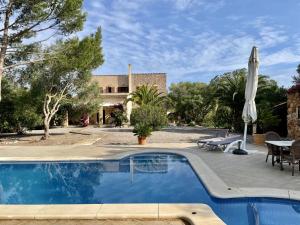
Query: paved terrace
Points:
[236, 171]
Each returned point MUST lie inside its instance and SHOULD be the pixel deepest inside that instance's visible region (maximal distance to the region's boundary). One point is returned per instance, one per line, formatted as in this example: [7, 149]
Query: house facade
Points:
[115, 89]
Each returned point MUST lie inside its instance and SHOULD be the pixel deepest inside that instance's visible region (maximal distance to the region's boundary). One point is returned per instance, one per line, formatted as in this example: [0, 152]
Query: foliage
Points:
[142, 130]
[230, 93]
[18, 112]
[57, 80]
[119, 116]
[296, 78]
[154, 116]
[230, 88]
[221, 102]
[25, 20]
[147, 95]
[190, 102]
[266, 120]
[88, 100]
[222, 117]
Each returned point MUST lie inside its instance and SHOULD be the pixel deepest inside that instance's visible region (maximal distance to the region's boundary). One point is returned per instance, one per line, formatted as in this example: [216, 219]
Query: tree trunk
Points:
[4, 42]
[46, 129]
[1, 72]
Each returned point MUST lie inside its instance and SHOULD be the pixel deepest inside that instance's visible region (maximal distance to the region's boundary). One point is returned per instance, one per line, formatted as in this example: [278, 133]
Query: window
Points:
[109, 89]
[101, 89]
[123, 90]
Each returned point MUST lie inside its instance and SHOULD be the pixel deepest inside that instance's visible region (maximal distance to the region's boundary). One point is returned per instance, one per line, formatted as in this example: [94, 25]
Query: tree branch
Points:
[23, 63]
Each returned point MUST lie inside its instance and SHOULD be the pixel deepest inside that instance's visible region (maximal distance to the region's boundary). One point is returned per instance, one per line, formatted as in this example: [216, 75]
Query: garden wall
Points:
[293, 120]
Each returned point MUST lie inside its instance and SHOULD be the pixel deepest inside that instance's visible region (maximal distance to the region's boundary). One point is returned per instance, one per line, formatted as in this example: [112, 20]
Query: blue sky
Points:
[194, 40]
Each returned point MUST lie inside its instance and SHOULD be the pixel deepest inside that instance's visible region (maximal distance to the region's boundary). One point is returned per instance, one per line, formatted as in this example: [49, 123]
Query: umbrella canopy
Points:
[249, 111]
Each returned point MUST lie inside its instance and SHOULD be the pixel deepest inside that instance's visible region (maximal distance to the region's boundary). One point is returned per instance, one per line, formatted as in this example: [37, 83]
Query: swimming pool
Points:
[142, 178]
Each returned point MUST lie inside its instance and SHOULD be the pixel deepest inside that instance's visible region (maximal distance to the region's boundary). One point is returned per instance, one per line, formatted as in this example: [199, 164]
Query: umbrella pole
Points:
[242, 151]
[245, 136]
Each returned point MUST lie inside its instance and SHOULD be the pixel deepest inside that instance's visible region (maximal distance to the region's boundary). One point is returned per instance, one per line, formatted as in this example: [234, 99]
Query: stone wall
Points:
[293, 122]
[115, 81]
[152, 79]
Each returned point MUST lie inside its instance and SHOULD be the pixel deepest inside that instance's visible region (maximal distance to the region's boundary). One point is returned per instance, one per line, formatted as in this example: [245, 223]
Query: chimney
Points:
[129, 79]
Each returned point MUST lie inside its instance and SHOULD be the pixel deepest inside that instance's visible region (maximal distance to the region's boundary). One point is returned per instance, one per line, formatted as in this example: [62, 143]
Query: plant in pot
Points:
[142, 131]
[265, 122]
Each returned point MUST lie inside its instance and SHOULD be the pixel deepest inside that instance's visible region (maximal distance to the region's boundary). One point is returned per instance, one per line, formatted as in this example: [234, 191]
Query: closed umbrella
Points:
[249, 111]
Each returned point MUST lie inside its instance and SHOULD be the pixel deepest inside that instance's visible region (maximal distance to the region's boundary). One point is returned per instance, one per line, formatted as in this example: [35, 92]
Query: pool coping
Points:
[195, 214]
[212, 182]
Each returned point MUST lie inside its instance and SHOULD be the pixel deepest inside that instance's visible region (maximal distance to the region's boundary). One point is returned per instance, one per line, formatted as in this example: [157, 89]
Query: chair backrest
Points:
[272, 136]
[295, 149]
[222, 133]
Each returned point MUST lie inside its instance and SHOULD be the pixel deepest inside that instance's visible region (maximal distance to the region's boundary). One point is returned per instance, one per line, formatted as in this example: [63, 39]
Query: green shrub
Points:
[223, 117]
[266, 121]
[142, 130]
[18, 110]
[153, 116]
[119, 117]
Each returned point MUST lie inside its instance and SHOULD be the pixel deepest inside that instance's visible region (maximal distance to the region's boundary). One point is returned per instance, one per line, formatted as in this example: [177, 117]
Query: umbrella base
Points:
[239, 151]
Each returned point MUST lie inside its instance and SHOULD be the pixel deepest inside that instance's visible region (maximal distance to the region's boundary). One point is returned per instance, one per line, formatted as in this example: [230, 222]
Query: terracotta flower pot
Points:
[259, 139]
[142, 140]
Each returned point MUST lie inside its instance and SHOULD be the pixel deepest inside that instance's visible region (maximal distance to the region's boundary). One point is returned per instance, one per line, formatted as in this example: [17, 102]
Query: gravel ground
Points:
[106, 136]
[58, 136]
[92, 222]
[124, 136]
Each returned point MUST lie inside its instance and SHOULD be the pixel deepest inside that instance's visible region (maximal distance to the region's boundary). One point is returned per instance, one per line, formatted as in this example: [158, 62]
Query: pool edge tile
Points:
[19, 211]
[294, 195]
[121, 211]
[87, 211]
[196, 214]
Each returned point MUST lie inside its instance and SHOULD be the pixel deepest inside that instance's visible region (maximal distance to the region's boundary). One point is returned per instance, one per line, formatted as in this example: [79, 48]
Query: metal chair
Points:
[272, 150]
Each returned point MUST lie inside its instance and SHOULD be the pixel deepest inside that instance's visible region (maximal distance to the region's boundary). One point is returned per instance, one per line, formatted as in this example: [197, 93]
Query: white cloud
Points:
[286, 55]
[184, 50]
[184, 4]
[205, 5]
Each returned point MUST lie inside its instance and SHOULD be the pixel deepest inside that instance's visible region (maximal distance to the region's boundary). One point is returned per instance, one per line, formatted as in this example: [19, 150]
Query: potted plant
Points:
[143, 131]
[258, 139]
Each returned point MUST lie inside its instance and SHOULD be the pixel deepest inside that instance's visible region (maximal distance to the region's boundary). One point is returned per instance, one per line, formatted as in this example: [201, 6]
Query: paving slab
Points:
[120, 211]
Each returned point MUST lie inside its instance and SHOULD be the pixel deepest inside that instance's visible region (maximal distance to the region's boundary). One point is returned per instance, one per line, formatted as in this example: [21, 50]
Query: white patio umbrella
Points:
[249, 111]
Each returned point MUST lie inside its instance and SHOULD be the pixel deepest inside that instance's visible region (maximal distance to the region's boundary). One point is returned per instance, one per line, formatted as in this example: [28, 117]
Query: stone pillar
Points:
[128, 110]
[129, 104]
[100, 117]
[66, 119]
[129, 79]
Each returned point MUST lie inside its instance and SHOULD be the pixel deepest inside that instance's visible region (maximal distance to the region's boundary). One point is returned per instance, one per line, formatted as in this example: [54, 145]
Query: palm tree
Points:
[146, 95]
[230, 93]
[230, 89]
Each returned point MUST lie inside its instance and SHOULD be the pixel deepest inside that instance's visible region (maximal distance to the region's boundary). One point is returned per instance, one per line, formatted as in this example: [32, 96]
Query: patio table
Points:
[283, 146]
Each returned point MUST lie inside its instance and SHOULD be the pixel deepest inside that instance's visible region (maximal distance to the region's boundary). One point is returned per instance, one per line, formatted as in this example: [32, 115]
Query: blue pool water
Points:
[143, 178]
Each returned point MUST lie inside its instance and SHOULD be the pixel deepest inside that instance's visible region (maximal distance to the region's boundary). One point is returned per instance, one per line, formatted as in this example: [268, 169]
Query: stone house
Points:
[115, 89]
[293, 117]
